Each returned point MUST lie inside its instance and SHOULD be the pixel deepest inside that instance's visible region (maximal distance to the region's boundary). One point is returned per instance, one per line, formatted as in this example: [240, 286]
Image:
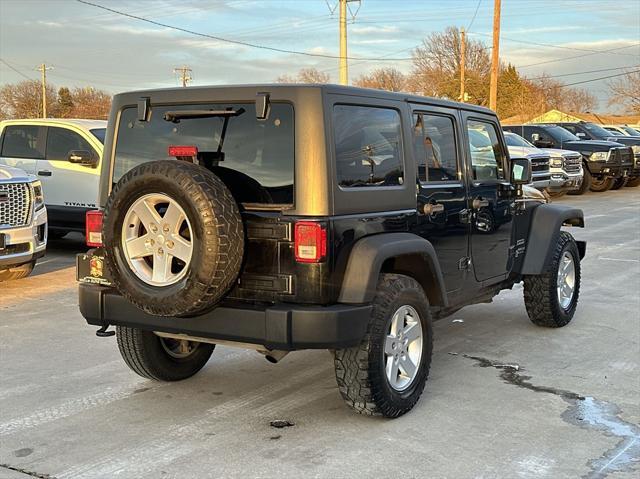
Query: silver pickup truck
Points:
[23, 223]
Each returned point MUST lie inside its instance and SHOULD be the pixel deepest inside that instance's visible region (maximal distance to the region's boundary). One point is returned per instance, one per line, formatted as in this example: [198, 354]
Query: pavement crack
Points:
[585, 412]
[28, 473]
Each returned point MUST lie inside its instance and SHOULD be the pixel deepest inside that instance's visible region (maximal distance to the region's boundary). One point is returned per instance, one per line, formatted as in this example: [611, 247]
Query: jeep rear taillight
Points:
[310, 242]
[93, 224]
[183, 151]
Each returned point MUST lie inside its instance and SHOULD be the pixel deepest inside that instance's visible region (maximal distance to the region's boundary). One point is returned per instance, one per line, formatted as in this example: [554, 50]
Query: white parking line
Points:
[618, 259]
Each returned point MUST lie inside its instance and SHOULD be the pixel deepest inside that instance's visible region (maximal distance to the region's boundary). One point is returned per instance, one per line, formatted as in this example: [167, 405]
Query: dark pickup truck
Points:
[590, 131]
[606, 164]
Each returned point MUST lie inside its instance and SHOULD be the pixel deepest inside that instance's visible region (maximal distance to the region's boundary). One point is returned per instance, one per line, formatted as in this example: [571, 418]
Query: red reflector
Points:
[183, 151]
[310, 242]
[93, 223]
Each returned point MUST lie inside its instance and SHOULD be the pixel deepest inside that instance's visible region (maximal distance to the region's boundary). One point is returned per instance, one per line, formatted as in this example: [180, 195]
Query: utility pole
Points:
[495, 57]
[185, 74]
[463, 54]
[43, 69]
[344, 72]
[344, 68]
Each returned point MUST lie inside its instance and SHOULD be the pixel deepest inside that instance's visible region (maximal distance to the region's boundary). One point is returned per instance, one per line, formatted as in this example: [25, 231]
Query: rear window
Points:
[24, 141]
[368, 146]
[258, 162]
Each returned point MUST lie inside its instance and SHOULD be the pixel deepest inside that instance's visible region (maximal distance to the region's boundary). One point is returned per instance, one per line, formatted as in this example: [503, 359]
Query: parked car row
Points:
[608, 161]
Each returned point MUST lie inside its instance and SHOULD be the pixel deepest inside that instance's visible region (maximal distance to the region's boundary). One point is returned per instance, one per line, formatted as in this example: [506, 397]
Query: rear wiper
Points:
[176, 116]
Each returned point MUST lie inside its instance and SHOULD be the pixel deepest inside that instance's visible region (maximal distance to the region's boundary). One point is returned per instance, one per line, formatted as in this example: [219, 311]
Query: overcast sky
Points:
[89, 46]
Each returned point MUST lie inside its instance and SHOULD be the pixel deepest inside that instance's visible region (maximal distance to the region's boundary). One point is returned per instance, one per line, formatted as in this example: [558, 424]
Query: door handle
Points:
[432, 208]
[480, 203]
[44, 173]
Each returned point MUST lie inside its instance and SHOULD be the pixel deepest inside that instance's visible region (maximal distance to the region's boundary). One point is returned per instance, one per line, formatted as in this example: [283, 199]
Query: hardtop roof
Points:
[326, 87]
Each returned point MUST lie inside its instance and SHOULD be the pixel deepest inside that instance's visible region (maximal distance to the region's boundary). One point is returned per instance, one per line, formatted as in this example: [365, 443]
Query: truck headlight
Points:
[599, 156]
[38, 197]
[636, 149]
[556, 161]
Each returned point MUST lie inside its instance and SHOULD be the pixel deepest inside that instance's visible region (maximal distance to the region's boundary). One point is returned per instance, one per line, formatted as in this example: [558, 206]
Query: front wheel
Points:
[633, 182]
[619, 183]
[386, 373]
[602, 184]
[552, 297]
[161, 359]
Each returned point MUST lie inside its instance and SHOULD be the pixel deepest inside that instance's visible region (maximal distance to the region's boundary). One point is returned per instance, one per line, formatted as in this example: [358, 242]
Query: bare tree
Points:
[90, 103]
[389, 79]
[625, 91]
[24, 99]
[305, 75]
[436, 67]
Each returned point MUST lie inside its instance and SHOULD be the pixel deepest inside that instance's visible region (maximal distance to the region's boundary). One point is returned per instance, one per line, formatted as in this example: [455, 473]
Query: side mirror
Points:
[520, 171]
[83, 157]
[535, 137]
[581, 135]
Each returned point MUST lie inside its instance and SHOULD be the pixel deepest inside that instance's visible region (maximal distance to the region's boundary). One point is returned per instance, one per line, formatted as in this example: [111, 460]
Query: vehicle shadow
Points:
[61, 253]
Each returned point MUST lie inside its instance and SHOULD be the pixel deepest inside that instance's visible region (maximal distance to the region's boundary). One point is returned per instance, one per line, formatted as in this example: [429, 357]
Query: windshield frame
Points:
[512, 135]
[596, 130]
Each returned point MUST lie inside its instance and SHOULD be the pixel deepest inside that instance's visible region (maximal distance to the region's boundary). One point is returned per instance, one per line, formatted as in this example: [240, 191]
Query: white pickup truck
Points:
[23, 223]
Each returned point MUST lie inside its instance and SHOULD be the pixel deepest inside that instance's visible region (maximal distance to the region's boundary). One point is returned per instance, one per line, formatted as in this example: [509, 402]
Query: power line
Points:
[226, 40]
[583, 73]
[601, 78]
[576, 56]
[15, 69]
[548, 45]
[473, 19]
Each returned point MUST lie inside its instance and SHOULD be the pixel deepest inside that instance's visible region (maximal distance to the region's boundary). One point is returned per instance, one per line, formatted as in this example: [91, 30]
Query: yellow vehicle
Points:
[65, 154]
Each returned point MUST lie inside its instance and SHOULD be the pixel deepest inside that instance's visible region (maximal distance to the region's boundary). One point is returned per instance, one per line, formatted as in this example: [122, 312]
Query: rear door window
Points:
[24, 141]
[258, 155]
[368, 146]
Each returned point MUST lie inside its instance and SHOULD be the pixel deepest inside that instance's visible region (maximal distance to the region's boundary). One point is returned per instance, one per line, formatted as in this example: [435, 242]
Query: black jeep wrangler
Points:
[281, 218]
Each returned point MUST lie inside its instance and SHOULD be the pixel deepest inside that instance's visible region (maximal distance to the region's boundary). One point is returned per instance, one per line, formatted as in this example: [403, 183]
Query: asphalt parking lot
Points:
[504, 398]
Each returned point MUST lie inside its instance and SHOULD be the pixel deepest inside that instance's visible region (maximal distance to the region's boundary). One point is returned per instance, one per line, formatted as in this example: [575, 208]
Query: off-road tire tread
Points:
[633, 182]
[224, 226]
[358, 379]
[134, 349]
[540, 295]
[619, 183]
[606, 186]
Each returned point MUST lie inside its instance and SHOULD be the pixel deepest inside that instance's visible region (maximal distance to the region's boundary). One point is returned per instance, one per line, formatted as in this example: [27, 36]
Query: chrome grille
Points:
[539, 164]
[572, 163]
[15, 204]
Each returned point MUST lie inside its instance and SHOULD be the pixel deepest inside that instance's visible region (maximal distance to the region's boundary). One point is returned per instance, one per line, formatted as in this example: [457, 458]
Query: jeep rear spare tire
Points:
[173, 237]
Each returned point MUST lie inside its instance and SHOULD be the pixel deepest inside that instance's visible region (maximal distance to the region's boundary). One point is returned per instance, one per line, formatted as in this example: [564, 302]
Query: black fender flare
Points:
[410, 255]
[544, 231]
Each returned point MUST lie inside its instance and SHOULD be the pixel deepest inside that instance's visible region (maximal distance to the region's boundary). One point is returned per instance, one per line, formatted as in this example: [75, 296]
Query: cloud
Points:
[50, 24]
[559, 28]
[375, 41]
[374, 30]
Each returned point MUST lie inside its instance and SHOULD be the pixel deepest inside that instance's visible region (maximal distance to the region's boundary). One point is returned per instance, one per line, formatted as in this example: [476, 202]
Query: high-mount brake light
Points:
[93, 223]
[181, 151]
[310, 242]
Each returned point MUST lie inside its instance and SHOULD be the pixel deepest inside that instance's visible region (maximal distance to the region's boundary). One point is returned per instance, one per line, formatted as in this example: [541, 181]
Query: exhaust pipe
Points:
[274, 356]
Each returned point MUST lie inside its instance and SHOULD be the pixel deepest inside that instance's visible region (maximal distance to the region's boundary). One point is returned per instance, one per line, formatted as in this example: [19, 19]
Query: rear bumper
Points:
[283, 326]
